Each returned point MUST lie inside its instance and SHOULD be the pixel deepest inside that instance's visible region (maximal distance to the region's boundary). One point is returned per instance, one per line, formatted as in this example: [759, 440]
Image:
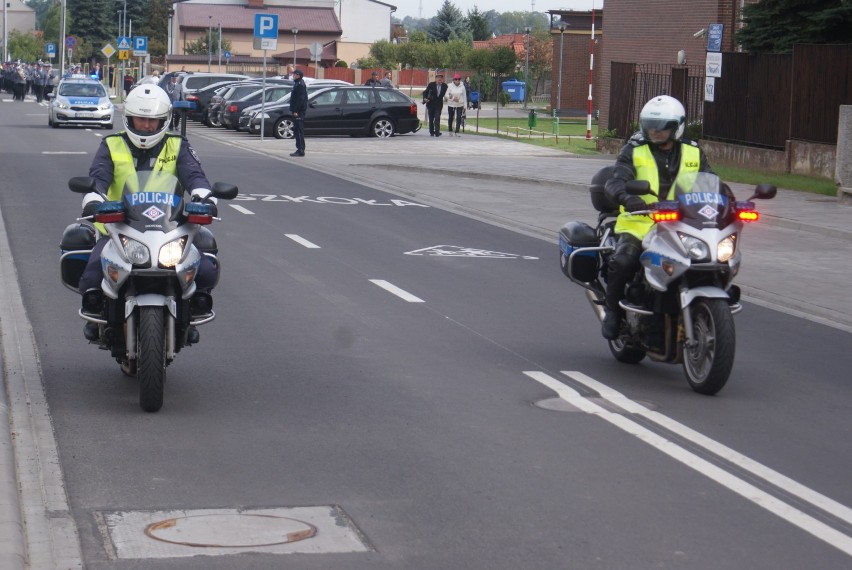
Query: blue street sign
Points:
[140, 45]
[227, 55]
[714, 37]
[70, 41]
[123, 42]
[50, 49]
[266, 26]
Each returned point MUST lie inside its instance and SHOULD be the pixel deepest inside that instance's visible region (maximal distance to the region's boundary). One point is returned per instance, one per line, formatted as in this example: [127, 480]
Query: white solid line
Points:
[402, 294]
[300, 240]
[64, 152]
[743, 488]
[781, 481]
[241, 209]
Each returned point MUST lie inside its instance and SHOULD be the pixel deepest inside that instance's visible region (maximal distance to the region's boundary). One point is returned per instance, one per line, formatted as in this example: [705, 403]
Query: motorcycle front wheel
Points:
[151, 358]
[708, 364]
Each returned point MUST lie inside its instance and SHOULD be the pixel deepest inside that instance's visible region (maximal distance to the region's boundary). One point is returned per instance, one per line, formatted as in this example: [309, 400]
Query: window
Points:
[390, 96]
[359, 96]
[332, 97]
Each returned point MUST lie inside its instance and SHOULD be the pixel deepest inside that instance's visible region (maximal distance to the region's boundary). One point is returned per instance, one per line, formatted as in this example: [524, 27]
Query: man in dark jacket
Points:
[298, 108]
[433, 98]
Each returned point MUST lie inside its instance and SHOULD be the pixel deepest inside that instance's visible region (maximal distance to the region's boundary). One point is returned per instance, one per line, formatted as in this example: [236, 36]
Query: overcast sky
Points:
[431, 7]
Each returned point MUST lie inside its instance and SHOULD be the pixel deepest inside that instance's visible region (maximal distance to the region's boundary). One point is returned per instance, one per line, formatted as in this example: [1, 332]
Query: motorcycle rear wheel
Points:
[151, 358]
[626, 353]
[708, 364]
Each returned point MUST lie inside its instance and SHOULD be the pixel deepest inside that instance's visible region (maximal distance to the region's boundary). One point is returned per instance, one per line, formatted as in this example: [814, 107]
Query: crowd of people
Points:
[22, 79]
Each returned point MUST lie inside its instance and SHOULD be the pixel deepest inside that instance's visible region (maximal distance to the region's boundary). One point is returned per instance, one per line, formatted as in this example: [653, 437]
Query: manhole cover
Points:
[230, 530]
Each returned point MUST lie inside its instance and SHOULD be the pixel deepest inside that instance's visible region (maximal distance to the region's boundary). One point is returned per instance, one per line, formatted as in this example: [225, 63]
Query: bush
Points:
[694, 130]
[503, 98]
[341, 63]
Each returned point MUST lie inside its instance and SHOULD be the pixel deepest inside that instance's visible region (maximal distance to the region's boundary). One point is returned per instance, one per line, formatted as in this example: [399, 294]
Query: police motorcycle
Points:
[679, 308]
[149, 301]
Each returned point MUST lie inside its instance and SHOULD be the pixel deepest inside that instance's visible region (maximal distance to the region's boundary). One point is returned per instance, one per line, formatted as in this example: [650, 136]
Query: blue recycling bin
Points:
[515, 89]
[474, 99]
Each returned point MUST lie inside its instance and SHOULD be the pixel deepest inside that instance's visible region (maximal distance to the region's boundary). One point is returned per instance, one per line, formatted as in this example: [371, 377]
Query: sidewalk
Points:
[794, 258]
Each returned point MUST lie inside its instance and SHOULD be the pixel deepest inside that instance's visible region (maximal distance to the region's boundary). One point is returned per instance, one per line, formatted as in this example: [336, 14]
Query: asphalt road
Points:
[412, 389]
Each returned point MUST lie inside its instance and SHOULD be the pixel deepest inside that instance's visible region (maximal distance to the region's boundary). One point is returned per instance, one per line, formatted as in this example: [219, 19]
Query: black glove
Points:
[635, 204]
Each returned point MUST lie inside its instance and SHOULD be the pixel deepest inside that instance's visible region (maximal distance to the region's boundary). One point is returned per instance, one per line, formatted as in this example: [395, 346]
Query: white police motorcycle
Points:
[679, 307]
[149, 300]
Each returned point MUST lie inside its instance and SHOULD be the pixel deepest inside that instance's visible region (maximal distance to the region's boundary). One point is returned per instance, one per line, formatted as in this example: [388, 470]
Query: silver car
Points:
[80, 102]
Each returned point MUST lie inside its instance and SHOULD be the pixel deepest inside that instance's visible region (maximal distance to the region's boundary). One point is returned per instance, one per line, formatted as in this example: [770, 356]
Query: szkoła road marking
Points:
[739, 486]
[461, 251]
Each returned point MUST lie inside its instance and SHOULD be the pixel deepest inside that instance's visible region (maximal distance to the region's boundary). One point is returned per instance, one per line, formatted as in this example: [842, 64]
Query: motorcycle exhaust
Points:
[596, 301]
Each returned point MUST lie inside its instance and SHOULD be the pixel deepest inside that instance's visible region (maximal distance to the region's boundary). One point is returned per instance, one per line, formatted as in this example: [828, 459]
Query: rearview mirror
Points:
[225, 190]
[764, 192]
[82, 184]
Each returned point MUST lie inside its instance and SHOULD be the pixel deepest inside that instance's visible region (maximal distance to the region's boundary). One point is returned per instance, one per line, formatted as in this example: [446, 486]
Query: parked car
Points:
[347, 110]
[233, 92]
[231, 109]
[244, 123]
[202, 97]
[80, 101]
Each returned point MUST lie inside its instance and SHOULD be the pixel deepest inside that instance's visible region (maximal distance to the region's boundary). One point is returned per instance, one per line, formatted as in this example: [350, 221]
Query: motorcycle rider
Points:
[143, 145]
[658, 154]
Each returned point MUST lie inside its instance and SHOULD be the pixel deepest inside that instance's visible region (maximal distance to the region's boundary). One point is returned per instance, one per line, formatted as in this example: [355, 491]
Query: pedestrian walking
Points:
[433, 98]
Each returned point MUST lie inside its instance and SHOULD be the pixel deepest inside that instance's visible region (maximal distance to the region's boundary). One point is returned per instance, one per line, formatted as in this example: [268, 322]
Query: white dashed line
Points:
[402, 294]
[302, 241]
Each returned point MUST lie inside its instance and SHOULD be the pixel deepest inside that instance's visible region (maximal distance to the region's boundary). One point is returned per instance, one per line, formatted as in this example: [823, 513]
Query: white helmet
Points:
[662, 113]
[150, 102]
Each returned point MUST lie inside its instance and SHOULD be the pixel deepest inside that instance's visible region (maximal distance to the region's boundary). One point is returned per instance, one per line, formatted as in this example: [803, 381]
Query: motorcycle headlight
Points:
[695, 248]
[171, 253]
[726, 248]
[135, 251]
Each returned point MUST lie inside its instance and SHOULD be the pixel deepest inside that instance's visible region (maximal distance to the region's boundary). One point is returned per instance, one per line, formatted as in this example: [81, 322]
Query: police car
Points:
[78, 101]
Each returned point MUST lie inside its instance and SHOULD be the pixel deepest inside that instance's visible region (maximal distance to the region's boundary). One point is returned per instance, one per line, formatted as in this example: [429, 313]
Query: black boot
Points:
[610, 326]
[91, 331]
[192, 336]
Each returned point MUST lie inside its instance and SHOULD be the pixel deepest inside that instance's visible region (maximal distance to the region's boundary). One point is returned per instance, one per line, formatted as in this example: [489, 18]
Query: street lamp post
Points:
[295, 31]
[209, 42]
[527, 31]
[561, 26]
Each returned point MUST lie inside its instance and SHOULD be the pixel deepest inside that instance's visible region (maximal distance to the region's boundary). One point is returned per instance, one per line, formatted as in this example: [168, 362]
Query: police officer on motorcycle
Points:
[657, 154]
[143, 145]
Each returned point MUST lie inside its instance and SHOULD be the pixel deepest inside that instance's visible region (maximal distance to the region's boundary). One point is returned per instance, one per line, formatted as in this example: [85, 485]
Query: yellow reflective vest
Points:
[646, 169]
[124, 170]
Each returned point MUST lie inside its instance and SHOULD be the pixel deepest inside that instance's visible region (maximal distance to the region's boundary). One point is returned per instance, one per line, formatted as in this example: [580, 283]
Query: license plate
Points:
[85, 115]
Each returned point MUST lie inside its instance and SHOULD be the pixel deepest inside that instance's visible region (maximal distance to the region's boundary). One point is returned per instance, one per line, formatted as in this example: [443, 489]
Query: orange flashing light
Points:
[110, 218]
[665, 216]
[748, 215]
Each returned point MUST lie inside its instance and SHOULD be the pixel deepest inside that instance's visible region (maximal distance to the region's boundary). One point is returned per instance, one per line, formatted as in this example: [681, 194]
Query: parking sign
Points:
[140, 46]
[266, 31]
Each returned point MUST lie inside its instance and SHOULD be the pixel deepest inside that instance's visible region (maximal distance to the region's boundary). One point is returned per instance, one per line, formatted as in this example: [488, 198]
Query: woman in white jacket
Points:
[456, 98]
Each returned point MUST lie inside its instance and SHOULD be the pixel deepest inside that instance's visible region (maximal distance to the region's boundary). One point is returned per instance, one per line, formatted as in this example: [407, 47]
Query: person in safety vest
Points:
[143, 145]
[656, 154]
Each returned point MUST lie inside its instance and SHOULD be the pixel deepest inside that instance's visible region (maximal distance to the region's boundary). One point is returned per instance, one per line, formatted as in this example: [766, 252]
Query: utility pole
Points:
[562, 26]
[209, 42]
[527, 31]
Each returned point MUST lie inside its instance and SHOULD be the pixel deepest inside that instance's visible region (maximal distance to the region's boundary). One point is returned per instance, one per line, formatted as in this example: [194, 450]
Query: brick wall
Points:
[575, 71]
[653, 31]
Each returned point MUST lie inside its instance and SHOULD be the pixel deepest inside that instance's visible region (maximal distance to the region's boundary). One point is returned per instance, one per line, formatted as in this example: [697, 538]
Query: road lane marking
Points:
[402, 294]
[781, 481]
[64, 152]
[461, 251]
[300, 240]
[241, 209]
[743, 488]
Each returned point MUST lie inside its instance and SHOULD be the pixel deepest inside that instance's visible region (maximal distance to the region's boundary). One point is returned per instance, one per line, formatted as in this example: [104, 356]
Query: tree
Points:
[211, 39]
[385, 54]
[24, 46]
[156, 26]
[478, 24]
[41, 7]
[448, 24]
[776, 26]
[94, 20]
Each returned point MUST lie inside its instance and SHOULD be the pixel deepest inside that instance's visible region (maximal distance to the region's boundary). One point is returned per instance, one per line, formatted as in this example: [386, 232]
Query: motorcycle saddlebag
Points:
[575, 235]
[599, 198]
[78, 239]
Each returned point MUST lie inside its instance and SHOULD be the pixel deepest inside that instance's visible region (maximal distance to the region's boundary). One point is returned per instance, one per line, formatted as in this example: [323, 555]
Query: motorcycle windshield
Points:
[703, 200]
[153, 201]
